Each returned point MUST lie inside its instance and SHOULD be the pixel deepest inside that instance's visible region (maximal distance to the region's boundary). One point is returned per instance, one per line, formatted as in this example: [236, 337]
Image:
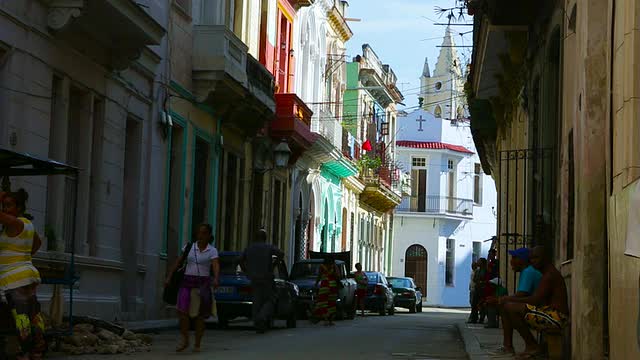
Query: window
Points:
[275, 217]
[418, 190]
[477, 184]
[451, 186]
[477, 250]
[450, 262]
[571, 213]
[418, 162]
[200, 186]
[437, 111]
[438, 86]
[230, 204]
[175, 186]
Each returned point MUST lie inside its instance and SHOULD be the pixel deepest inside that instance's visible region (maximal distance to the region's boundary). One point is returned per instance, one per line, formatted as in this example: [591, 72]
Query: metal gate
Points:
[526, 196]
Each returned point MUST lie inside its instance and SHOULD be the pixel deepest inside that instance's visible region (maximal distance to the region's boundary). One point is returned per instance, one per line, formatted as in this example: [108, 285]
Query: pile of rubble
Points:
[93, 339]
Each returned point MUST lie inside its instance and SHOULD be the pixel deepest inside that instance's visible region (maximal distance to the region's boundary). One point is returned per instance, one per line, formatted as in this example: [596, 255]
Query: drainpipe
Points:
[216, 178]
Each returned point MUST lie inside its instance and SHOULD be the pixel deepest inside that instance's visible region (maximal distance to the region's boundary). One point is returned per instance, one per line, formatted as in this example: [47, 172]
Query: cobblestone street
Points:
[429, 335]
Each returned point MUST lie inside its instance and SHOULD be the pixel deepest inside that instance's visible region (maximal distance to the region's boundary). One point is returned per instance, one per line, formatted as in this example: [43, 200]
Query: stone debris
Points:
[89, 338]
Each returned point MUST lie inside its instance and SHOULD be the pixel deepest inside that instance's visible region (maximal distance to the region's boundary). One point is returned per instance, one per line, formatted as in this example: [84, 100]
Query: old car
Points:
[234, 294]
[380, 297]
[407, 294]
[304, 274]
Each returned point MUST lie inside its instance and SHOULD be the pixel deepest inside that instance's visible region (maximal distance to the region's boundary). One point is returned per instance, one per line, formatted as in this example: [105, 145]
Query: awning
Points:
[13, 163]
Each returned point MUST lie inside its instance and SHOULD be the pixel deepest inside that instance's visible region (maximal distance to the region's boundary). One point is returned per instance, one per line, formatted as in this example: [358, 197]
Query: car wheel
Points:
[392, 310]
[352, 312]
[340, 313]
[383, 310]
[292, 321]
[420, 307]
[413, 309]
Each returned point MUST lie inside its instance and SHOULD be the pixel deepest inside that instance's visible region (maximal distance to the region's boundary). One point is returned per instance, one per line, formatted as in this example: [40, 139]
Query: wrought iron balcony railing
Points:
[434, 205]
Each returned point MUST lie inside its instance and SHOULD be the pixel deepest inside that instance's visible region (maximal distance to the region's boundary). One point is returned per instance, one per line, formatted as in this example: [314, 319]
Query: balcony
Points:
[379, 192]
[230, 80]
[112, 32]
[297, 4]
[293, 120]
[435, 205]
[337, 20]
[329, 127]
[219, 63]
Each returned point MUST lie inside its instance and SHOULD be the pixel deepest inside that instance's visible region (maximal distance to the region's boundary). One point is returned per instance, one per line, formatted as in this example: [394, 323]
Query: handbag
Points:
[170, 293]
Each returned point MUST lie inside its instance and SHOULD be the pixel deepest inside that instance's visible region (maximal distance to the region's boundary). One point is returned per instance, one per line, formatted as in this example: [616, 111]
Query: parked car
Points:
[304, 274]
[407, 294]
[234, 294]
[379, 294]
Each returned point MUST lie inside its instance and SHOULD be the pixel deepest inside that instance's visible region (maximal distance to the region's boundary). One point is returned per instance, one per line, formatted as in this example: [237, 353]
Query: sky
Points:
[402, 33]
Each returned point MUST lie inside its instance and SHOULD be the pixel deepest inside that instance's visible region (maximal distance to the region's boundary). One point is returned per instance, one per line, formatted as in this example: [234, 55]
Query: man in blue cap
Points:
[527, 284]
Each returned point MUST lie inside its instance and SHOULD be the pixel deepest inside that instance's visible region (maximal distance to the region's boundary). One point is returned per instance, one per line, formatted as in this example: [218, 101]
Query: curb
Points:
[151, 326]
[471, 344]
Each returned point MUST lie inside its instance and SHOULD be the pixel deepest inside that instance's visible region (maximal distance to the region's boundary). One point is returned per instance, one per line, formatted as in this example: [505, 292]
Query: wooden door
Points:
[415, 266]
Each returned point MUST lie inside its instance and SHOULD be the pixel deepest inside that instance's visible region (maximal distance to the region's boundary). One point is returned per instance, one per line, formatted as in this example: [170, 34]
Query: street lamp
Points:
[282, 153]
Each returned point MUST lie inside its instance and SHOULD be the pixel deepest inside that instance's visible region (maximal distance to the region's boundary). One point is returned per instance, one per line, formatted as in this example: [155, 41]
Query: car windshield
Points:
[400, 283]
[305, 271]
[373, 277]
[230, 264]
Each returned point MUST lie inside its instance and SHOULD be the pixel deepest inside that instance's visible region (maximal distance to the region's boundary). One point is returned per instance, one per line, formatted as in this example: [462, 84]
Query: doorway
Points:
[415, 266]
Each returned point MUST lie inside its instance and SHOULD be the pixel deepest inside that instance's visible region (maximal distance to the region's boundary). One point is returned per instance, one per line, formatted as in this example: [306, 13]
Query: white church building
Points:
[449, 219]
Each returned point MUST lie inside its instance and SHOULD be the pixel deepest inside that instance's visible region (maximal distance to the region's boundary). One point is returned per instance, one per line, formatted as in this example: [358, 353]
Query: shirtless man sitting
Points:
[547, 310]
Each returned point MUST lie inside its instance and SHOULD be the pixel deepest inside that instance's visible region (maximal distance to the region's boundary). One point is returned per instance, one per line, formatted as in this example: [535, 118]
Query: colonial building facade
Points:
[448, 220]
[370, 120]
[79, 83]
[561, 143]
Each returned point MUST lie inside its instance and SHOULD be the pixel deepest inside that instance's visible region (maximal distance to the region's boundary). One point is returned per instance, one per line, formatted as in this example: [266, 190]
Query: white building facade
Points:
[445, 224]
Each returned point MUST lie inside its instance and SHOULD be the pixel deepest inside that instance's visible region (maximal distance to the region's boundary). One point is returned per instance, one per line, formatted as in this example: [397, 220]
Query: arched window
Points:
[437, 111]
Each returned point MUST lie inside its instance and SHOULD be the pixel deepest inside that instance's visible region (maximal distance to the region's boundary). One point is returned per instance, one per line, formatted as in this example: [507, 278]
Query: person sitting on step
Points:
[547, 310]
[527, 285]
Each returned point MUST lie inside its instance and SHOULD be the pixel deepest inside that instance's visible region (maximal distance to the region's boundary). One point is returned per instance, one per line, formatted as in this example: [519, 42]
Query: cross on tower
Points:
[420, 120]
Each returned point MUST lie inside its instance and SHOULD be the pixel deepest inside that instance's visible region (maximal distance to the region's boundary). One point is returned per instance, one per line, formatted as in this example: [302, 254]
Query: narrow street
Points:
[429, 335]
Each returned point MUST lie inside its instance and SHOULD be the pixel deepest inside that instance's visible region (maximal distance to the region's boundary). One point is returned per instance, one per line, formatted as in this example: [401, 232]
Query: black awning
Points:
[22, 164]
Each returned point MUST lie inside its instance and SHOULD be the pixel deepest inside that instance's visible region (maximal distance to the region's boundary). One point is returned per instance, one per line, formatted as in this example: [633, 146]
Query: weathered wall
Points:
[102, 261]
[623, 268]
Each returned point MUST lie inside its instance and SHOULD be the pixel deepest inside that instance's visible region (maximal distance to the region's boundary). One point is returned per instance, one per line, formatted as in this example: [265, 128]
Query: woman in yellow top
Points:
[18, 277]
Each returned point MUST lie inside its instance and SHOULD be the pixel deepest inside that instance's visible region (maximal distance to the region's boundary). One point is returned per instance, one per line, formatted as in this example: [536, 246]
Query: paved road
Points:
[429, 335]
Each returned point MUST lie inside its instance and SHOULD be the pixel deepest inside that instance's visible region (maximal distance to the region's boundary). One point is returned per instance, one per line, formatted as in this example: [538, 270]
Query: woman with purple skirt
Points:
[195, 295]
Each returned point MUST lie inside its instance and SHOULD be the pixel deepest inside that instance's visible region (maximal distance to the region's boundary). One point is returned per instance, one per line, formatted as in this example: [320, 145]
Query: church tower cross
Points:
[420, 120]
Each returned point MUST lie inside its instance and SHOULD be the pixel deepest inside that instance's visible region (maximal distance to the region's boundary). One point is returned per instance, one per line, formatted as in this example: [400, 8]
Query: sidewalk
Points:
[479, 342]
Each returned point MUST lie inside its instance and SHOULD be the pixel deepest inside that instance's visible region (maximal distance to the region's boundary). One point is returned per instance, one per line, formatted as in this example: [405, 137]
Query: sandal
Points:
[501, 351]
[182, 346]
[529, 355]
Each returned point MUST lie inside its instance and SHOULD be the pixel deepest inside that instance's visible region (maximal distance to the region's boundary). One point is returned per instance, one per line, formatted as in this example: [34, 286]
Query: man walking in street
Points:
[257, 262]
[527, 285]
[546, 310]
